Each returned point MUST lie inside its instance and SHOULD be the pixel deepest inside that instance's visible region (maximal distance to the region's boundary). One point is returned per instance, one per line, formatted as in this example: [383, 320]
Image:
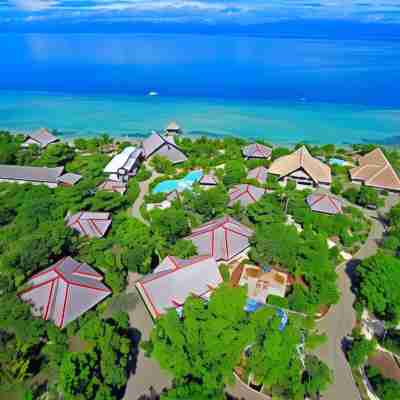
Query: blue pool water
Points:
[337, 161]
[179, 184]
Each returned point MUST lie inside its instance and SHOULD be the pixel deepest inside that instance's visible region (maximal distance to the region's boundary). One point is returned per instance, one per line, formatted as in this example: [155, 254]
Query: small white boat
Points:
[152, 94]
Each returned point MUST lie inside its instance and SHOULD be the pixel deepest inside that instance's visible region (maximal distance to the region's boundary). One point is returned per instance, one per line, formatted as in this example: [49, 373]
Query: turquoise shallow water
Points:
[275, 121]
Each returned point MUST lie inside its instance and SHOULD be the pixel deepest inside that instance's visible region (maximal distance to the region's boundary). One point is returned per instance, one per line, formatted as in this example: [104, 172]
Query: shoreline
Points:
[137, 139]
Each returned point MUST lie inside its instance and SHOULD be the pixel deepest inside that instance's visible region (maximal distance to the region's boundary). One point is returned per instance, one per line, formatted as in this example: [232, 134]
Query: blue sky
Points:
[241, 12]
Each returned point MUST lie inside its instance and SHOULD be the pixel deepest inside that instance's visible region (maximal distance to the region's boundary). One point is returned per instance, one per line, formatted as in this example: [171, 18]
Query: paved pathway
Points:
[144, 189]
[240, 391]
[147, 379]
[341, 319]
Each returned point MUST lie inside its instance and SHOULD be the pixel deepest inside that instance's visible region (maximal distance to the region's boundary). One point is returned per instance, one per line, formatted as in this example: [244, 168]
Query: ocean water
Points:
[282, 90]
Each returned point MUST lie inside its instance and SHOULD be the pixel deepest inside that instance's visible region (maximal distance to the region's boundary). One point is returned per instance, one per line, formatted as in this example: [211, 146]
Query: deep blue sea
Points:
[283, 90]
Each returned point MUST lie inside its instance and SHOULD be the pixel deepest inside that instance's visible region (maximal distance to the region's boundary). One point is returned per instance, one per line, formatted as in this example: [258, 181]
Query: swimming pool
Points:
[179, 184]
[337, 161]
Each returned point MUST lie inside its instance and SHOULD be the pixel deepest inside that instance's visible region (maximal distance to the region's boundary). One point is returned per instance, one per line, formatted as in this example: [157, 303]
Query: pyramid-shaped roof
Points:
[302, 160]
[91, 224]
[245, 194]
[260, 174]
[256, 150]
[375, 170]
[222, 238]
[174, 280]
[64, 291]
[209, 179]
[43, 137]
[324, 203]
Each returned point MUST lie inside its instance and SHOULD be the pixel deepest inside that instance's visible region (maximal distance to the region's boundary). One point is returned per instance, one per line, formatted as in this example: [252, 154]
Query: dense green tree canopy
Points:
[377, 286]
[204, 347]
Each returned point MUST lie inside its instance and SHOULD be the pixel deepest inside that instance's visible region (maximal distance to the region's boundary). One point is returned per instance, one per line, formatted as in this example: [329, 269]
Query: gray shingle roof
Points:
[260, 174]
[174, 280]
[31, 174]
[64, 291]
[222, 238]
[113, 186]
[209, 179]
[324, 203]
[256, 150]
[163, 146]
[42, 137]
[91, 224]
[70, 178]
[245, 194]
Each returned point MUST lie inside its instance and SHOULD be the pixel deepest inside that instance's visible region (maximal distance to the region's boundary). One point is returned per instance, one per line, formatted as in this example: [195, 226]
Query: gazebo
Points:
[173, 128]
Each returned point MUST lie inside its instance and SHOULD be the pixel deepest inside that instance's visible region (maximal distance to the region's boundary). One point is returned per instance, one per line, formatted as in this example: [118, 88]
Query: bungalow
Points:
[69, 179]
[34, 175]
[375, 170]
[90, 224]
[245, 195]
[257, 151]
[124, 165]
[324, 203]
[64, 291]
[173, 128]
[260, 174]
[208, 180]
[174, 280]
[223, 238]
[301, 168]
[113, 186]
[42, 138]
[163, 146]
[51, 177]
[262, 283]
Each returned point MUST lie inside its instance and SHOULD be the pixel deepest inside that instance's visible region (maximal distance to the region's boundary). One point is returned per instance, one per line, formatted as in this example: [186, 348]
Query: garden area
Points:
[202, 349]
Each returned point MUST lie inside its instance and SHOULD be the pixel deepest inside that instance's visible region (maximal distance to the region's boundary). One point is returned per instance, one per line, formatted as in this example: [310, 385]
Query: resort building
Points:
[64, 291]
[245, 195]
[124, 165]
[260, 174]
[51, 177]
[208, 180]
[256, 150]
[69, 179]
[301, 168]
[113, 186]
[174, 280]
[261, 283]
[163, 146]
[324, 203]
[375, 170]
[173, 128]
[42, 138]
[90, 224]
[223, 238]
